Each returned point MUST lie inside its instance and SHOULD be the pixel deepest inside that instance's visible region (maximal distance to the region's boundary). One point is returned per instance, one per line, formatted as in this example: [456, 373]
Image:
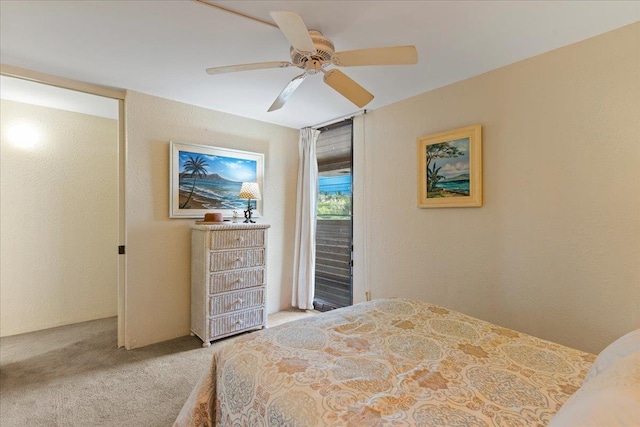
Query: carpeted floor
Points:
[75, 376]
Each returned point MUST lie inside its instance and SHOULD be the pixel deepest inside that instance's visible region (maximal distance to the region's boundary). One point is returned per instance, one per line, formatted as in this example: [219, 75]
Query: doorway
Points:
[60, 212]
[334, 226]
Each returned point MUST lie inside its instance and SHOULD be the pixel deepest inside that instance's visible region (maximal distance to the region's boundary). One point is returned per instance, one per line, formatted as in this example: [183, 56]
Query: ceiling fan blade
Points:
[246, 67]
[397, 55]
[347, 87]
[286, 92]
[292, 25]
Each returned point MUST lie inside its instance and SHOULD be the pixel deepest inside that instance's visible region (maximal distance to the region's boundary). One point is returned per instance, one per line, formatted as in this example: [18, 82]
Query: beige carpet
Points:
[75, 376]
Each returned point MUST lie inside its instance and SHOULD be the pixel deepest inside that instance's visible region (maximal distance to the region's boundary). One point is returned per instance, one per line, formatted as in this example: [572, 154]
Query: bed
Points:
[393, 362]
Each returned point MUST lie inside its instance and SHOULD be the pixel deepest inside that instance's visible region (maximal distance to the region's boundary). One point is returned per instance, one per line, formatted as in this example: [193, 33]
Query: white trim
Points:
[36, 76]
[122, 224]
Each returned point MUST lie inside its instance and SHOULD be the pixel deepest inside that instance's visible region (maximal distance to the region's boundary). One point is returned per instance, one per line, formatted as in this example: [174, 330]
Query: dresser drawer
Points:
[236, 279]
[235, 239]
[229, 260]
[234, 301]
[234, 322]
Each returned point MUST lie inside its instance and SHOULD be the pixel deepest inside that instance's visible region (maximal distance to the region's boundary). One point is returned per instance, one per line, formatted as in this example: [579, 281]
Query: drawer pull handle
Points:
[239, 322]
[239, 259]
[240, 239]
[240, 280]
[239, 301]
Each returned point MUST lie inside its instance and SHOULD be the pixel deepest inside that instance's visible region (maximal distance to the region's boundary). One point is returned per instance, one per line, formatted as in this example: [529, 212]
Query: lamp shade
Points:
[249, 190]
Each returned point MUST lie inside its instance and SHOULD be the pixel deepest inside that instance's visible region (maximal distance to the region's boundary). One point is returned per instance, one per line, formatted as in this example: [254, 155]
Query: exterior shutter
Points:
[333, 148]
[333, 233]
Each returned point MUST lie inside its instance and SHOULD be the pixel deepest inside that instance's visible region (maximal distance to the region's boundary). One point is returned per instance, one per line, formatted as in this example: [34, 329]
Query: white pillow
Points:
[610, 395]
[623, 346]
[615, 407]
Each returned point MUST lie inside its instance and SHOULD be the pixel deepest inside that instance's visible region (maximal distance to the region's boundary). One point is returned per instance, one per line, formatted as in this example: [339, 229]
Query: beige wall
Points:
[555, 251]
[158, 248]
[58, 262]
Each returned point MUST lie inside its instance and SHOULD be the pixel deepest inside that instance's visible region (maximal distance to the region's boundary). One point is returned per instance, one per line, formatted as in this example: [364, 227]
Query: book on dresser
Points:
[228, 279]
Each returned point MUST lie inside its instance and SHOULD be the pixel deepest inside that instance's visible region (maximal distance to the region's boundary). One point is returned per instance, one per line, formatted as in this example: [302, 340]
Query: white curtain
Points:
[304, 261]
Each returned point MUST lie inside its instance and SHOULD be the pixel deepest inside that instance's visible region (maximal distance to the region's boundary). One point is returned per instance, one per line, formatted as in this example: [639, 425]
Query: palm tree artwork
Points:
[196, 166]
[450, 168]
[445, 151]
[433, 177]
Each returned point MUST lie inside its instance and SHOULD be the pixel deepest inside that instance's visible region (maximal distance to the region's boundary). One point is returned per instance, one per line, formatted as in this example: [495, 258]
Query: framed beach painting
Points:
[205, 179]
[450, 168]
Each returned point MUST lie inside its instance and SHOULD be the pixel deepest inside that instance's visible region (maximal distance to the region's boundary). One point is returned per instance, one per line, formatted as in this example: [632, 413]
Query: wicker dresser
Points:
[228, 274]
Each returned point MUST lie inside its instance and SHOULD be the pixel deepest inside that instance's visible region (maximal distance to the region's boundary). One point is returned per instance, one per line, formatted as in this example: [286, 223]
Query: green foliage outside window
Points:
[334, 206]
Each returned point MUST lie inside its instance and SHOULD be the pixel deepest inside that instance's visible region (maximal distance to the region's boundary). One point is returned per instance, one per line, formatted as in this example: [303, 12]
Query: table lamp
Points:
[249, 191]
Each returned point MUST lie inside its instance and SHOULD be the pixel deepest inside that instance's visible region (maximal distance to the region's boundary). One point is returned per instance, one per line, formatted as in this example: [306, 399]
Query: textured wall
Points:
[58, 218]
[555, 251]
[158, 261]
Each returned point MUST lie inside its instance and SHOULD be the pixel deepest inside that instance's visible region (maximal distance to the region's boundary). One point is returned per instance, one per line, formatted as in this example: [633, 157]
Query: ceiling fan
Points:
[314, 53]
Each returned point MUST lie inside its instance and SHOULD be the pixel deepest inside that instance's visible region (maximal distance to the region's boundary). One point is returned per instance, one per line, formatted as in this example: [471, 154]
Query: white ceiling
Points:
[163, 47]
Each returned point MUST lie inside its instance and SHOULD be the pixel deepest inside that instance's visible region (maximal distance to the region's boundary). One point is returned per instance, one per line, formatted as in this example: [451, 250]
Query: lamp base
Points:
[247, 214]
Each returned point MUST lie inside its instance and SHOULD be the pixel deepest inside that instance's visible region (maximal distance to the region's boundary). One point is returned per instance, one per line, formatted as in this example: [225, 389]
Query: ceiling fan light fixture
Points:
[312, 52]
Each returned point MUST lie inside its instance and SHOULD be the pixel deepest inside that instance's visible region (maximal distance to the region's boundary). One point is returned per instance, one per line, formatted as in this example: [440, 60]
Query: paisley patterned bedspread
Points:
[390, 362]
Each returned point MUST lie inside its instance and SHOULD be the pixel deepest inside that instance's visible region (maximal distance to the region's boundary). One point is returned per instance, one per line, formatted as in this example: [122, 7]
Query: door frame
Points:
[119, 95]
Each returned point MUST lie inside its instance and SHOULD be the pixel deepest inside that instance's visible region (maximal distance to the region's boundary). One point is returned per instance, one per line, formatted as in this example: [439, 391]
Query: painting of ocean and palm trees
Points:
[213, 182]
[210, 179]
[450, 168]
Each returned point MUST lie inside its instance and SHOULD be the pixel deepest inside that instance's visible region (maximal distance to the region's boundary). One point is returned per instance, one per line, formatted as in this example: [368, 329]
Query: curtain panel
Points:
[305, 236]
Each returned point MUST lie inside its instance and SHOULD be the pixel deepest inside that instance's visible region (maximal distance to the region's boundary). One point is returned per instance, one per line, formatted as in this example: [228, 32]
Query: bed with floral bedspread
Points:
[391, 362]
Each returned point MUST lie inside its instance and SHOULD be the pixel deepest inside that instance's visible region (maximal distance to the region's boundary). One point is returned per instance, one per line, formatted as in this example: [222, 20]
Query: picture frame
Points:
[450, 168]
[211, 180]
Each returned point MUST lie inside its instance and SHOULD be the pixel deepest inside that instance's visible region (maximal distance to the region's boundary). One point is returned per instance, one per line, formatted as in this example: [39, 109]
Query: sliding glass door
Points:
[334, 228]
